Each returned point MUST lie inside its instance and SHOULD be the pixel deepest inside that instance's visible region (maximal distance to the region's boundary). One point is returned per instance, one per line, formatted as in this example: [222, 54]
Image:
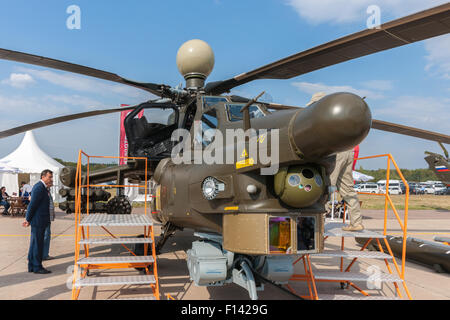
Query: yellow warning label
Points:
[245, 163]
[158, 198]
[244, 154]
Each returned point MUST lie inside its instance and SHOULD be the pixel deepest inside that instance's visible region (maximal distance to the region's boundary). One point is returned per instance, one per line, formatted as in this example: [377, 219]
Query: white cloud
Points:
[19, 80]
[312, 88]
[29, 107]
[77, 100]
[438, 58]
[428, 113]
[85, 84]
[346, 11]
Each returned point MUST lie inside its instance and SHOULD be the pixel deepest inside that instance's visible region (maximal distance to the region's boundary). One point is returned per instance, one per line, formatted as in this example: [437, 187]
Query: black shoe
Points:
[43, 271]
[48, 258]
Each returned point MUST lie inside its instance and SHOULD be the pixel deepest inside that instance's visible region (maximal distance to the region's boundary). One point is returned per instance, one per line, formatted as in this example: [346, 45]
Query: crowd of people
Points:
[24, 195]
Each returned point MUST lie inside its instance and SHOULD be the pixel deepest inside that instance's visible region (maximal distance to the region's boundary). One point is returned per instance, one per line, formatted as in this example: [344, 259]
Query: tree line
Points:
[415, 175]
[92, 166]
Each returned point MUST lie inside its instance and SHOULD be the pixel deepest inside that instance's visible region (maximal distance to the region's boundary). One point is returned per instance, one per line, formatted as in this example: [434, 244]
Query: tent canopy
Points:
[30, 158]
[360, 177]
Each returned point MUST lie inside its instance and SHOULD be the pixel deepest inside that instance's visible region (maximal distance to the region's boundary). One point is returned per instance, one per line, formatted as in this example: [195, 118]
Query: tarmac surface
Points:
[17, 284]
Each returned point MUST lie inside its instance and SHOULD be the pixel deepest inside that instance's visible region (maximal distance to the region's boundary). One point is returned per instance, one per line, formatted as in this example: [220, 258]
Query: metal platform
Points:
[353, 254]
[334, 229]
[356, 276]
[114, 260]
[115, 240]
[116, 220]
[112, 281]
[353, 297]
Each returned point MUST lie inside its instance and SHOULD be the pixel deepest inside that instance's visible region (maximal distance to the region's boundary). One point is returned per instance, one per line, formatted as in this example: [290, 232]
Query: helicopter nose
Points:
[336, 123]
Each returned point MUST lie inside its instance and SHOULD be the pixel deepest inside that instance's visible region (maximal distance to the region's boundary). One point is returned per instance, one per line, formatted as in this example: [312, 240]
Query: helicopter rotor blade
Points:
[5, 54]
[49, 122]
[410, 131]
[417, 27]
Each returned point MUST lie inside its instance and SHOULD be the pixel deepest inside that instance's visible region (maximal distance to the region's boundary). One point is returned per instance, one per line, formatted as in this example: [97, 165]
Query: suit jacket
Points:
[38, 211]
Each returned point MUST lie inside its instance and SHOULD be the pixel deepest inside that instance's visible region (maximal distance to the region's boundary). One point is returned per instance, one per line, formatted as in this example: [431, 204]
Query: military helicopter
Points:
[251, 220]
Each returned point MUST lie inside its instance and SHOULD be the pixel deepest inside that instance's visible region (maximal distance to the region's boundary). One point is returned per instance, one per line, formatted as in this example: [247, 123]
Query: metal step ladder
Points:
[345, 276]
[86, 263]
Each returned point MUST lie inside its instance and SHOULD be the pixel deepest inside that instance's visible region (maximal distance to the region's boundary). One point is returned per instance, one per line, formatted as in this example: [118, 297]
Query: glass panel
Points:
[160, 116]
[211, 101]
[306, 227]
[209, 122]
[234, 112]
[279, 234]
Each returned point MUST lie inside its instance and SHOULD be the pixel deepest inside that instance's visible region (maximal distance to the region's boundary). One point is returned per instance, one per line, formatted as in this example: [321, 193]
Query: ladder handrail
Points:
[388, 201]
[78, 230]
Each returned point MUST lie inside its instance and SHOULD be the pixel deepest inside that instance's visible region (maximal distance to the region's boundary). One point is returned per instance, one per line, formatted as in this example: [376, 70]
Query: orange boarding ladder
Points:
[82, 265]
[344, 275]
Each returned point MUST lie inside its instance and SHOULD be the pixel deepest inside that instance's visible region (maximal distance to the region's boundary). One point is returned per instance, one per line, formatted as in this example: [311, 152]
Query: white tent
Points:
[8, 178]
[29, 158]
[358, 176]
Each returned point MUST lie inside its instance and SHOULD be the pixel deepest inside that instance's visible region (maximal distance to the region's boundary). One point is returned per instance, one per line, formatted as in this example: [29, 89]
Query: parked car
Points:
[394, 186]
[422, 188]
[440, 189]
[369, 188]
[392, 190]
[429, 189]
[415, 188]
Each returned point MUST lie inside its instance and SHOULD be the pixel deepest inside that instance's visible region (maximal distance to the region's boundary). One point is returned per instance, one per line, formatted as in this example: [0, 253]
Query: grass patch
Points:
[416, 202]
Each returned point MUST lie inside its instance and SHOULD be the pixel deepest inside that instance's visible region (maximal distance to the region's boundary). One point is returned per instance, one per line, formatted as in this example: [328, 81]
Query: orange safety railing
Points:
[80, 231]
[309, 276]
[403, 225]
[388, 201]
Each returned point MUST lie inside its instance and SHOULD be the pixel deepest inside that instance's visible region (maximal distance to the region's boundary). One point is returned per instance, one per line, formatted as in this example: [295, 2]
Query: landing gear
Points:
[167, 231]
[244, 278]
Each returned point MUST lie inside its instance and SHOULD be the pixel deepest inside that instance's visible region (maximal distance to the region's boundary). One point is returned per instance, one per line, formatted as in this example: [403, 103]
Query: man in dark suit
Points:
[38, 216]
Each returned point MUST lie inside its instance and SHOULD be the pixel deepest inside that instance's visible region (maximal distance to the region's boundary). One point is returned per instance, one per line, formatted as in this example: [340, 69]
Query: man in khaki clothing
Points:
[342, 179]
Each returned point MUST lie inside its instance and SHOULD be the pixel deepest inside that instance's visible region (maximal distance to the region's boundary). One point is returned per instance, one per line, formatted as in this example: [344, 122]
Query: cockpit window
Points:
[209, 126]
[160, 116]
[234, 112]
[211, 101]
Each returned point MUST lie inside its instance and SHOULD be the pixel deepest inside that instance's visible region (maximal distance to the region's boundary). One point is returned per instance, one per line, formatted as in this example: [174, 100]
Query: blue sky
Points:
[140, 39]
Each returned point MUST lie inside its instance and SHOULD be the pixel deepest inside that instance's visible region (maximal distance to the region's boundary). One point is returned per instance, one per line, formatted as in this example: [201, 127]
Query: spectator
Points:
[38, 217]
[25, 192]
[48, 231]
[4, 200]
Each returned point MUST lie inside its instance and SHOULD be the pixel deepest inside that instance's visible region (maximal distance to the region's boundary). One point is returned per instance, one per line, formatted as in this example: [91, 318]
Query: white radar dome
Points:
[195, 58]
